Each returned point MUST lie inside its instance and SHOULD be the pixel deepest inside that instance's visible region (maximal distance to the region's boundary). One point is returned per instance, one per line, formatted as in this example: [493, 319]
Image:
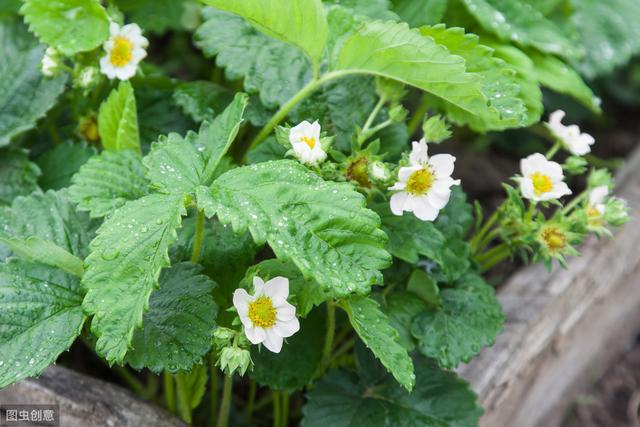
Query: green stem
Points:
[485, 228]
[348, 345]
[297, 98]
[604, 163]
[184, 408]
[284, 403]
[225, 405]
[131, 381]
[328, 341]
[418, 115]
[169, 392]
[372, 116]
[553, 150]
[529, 215]
[276, 408]
[199, 237]
[487, 239]
[493, 256]
[213, 386]
[251, 401]
[574, 202]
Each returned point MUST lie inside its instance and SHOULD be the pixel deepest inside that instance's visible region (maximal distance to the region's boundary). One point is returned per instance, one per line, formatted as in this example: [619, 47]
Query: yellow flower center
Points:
[594, 216]
[554, 239]
[122, 51]
[309, 140]
[541, 183]
[262, 312]
[420, 182]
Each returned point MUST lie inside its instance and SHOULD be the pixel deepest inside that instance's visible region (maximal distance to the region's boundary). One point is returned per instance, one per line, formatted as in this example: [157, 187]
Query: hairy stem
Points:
[553, 150]
[493, 256]
[276, 408]
[184, 408]
[295, 100]
[475, 241]
[131, 381]
[251, 401]
[328, 340]
[225, 405]
[199, 237]
[418, 115]
[213, 385]
[284, 407]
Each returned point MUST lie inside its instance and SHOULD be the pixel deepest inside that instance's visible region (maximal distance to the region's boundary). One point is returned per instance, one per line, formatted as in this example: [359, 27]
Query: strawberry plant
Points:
[244, 197]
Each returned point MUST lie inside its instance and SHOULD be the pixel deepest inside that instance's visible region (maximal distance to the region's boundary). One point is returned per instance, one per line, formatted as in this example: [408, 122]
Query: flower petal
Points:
[442, 164]
[398, 202]
[598, 194]
[241, 300]
[424, 210]
[526, 188]
[285, 311]
[277, 288]
[255, 334]
[258, 286]
[273, 341]
[419, 153]
[288, 328]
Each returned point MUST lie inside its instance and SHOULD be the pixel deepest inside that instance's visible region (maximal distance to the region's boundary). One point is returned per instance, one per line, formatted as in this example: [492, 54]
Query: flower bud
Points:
[87, 77]
[234, 359]
[222, 336]
[50, 62]
[616, 212]
[379, 171]
[575, 165]
[435, 129]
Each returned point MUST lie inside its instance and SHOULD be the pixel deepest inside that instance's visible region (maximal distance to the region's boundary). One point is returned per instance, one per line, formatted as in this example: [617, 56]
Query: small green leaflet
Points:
[470, 318]
[25, 94]
[36, 249]
[323, 227]
[303, 294]
[71, 26]
[40, 317]
[18, 175]
[201, 100]
[401, 308]
[126, 257]
[375, 330]
[118, 120]
[519, 22]
[440, 399]
[295, 366]
[176, 331]
[420, 12]
[394, 51]
[301, 23]
[108, 181]
[271, 67]
[194, 384]
[60, 163]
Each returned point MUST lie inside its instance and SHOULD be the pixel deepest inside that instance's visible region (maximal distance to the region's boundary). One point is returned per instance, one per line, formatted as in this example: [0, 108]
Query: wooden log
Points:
[563, 328]
[84, 401]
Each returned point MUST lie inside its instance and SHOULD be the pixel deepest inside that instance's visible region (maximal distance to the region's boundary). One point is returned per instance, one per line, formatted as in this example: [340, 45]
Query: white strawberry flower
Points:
[125, 48]
[424, 187]
[542, 179]
[305, 140]
[266, 315]
[572, 139]
[597, 197]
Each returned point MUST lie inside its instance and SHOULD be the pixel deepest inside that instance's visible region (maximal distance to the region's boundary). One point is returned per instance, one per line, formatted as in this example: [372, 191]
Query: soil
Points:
[614, 400]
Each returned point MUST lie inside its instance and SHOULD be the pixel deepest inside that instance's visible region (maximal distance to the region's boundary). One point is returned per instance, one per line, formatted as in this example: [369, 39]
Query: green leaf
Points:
[394, 51]
[420, 12]
[323, 227]
[40, 317]
[500, 84]
[295, 366]
[274, 69]
[373, 9]
[555, 74]
[157, 16]
[35, 249]
[18, 175]
[59, 164]
[301, 23]
[49, 217]
[470, 318]
[455, 220]
[71, 26]
[517, 21]
[126, 257]
[440, 399]
[303, 294]
[178, 165]
[25, 94]
[108, 181]
[177, 330]
[401, 308]
[201, 100]
[609, 32]
[375, 330]
[421, 284]
[118, 120]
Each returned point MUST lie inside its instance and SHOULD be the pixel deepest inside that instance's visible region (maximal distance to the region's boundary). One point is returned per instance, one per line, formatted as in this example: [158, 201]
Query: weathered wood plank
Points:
[86, 401]
[562, 327]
